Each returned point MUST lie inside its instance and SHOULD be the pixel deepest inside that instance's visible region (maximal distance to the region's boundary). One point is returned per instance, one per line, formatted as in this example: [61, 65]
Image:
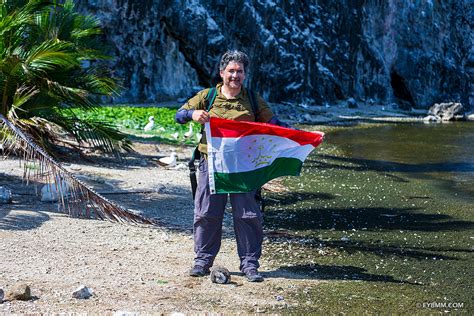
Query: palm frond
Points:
[100, 85]
[77, 96]
[83, 200]
[101, 136]
[45, 52]
[22, 95]
[51, 55]
[95, 133]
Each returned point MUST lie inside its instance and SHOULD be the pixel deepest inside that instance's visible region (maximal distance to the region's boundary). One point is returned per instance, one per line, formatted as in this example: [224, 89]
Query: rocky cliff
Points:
[413, 53]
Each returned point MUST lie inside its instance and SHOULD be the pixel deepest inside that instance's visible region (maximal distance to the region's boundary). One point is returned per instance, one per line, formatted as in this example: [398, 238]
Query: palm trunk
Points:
[5, 99]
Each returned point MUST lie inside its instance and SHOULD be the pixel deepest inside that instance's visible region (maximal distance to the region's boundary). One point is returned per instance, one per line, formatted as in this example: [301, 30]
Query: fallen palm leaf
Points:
[82, 201]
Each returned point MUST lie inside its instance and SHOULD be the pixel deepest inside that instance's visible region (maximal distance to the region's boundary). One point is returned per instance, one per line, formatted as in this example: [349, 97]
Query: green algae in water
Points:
[384, 215]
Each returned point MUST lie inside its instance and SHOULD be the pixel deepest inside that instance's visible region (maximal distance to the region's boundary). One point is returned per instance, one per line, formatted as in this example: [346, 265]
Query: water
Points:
[388, 208]
[443, 153]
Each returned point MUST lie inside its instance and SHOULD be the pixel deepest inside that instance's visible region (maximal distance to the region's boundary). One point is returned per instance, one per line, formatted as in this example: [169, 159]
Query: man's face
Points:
[233, 75]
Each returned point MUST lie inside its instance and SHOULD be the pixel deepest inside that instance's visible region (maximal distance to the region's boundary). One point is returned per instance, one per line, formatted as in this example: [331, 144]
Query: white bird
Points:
[151, 123]
[198, 137]
[189, 133]
[180, 166]
[168, 161]
[52, 192]
[175, 135]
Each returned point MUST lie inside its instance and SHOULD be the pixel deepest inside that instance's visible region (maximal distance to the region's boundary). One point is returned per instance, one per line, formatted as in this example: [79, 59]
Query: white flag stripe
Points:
[252, 152]
[210, 152]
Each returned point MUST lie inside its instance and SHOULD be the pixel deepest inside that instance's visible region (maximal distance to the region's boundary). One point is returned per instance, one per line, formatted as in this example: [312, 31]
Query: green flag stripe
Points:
[247, 181]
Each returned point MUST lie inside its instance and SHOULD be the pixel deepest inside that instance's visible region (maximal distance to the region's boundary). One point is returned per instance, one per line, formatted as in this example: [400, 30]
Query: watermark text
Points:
[448, 305]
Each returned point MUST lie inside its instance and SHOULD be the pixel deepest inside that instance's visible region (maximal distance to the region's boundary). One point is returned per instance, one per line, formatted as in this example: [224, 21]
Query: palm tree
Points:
[46, 49]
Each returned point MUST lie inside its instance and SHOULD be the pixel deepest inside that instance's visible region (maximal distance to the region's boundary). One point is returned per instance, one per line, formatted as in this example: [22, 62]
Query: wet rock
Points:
[5, 195]
[19, 292]
[431, 118]
[82, 292]
[351, 103]
[220, 275]
[470, 117]
[308, 118]
[393, 106]
[2, 294]
[451, 111]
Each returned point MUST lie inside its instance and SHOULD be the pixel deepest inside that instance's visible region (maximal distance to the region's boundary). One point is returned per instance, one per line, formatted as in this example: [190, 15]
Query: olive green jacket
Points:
[237, 109]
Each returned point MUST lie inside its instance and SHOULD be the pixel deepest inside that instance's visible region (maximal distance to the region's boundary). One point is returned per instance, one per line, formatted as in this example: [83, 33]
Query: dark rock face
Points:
[414, 53]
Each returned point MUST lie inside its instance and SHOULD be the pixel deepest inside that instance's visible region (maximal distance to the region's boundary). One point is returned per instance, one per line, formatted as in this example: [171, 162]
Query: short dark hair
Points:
[235, 56]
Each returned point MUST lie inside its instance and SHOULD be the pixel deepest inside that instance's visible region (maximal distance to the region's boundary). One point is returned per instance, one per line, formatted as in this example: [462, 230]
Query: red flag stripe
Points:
[228, 128]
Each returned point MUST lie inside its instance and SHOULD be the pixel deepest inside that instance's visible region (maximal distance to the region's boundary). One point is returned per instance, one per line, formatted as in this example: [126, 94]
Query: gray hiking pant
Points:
[208, 215]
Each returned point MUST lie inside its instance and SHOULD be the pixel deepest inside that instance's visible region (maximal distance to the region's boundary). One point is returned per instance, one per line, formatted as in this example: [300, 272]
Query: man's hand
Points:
[201, 116]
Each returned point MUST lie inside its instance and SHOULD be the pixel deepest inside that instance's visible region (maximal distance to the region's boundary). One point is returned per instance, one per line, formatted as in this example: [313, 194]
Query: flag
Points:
[243, 156]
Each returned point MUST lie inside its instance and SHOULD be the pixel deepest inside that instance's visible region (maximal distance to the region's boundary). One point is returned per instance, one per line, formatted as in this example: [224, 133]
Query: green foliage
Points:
[46, 53]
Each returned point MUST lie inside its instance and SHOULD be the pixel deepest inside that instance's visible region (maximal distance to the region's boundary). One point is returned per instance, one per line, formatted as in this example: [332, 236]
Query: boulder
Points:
[82, 292]
[5, 195]
[19, 292]
[220, 275]
[451, 111]
[351, 103]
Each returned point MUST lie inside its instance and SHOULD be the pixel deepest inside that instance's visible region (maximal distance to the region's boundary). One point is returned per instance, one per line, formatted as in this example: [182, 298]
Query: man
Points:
[232, 102]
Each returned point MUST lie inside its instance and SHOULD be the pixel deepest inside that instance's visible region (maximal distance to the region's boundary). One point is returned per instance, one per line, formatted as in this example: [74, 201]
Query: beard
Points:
[234, 83]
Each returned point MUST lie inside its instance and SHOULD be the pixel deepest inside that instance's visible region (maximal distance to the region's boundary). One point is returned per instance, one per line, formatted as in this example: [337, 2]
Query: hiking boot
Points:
[253, 276]
[199, 271]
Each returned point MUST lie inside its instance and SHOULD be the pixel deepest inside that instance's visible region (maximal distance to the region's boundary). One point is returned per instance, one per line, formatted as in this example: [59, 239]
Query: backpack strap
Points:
[253, 103]
[209, 101]
[210, 97]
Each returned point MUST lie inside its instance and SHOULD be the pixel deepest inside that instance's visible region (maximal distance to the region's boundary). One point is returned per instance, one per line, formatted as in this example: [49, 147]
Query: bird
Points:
[189, 133]
[198, 137]
[220, 275]
[180, 166]
[151, 122]
[53, 192]
[168, 161]
[175, 135]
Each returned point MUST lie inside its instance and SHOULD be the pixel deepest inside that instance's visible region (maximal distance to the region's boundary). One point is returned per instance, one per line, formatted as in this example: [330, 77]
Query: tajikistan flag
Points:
[243, 156]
